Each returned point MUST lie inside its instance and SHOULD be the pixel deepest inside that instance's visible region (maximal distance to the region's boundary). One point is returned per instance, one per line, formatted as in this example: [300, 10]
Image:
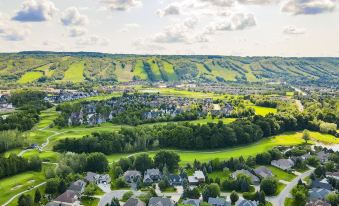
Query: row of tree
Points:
[15, 165]
[11, 139]
[186, 135]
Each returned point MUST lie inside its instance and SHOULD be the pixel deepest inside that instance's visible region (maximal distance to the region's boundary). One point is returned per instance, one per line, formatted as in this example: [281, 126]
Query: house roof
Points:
[175, 178]
[247, 203]
[263, 171]
[195, 202]
[321, 184]
[69, 197]
[199, 174]
[152, 172]
[317, 203]
[77, 186]
[134, 202]
[133, 173]
[283, 162]
[318, 193]
[90, 176]
[218, 201]
[246, 172]
[159, 201]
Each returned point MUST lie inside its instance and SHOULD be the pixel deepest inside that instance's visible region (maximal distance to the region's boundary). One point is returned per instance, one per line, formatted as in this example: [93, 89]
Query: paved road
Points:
[280, 199]
[17, 195]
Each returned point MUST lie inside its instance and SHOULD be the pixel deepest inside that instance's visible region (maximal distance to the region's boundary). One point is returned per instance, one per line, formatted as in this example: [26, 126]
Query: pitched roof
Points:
[247, 203]
[69, 197]
[134, 202]
[90, 176]
[318, 193]
[263, 171]
[195, 202]
[218, 201]
[317, 203]
[159, 201]
[77, 186]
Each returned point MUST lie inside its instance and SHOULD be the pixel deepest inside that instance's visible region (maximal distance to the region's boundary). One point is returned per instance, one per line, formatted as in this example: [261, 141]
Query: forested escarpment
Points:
[188, 136]
[39, 68]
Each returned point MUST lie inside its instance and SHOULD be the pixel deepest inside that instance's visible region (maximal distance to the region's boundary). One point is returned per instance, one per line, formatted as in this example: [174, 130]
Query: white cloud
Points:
[220, 3]
[293, 30]
[77, 31]
[309, 7]
[72, 17]
[12, 31]
[237, 21]
[170, 10]
[35, 11]
[256, 2]
[122, 5]
[93, 40]
[129, 27]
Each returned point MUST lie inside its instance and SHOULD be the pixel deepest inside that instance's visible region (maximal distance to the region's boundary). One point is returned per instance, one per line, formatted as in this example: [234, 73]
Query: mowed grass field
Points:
[263, 111]
[75, 73]
[223, 154]
[15, 184]
[29, 77]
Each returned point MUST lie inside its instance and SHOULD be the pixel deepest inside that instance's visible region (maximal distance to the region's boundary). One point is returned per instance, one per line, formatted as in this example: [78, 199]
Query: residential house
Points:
[321, 184]
[198, 177]
[247, 203]
[323, 156]
[317, 203]
[318, 193]
[194, 202]
[69, 197]
[255, 180]
[284, 164]
[175, 180]
[263, 172]
[132, 176]
[78, 186]
[218, 202]
[97, 178]
[134, 202]
[152, 175]
[334, 175]
[159, 201]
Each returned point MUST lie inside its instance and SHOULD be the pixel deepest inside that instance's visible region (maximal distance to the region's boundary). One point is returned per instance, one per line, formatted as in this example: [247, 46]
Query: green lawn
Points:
[245, 151]
[289, 202]
[169, 70]
[281, 174]
[139, 70]
[30, 77]
[263, 111]
[75, 73]
[324, 138]
[31, 193]
[89, 201]
[223, 175]
[12, 185]
[281, 186]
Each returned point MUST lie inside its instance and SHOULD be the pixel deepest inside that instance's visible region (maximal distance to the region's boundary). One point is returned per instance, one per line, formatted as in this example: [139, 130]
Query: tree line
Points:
[15, 165]
[11, 139]
[186, 135]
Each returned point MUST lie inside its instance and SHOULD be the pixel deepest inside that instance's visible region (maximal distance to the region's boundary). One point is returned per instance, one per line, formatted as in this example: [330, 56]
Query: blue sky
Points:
[220, 27]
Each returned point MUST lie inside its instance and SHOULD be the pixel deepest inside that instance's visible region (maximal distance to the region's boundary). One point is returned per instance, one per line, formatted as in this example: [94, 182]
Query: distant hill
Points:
[52, 67]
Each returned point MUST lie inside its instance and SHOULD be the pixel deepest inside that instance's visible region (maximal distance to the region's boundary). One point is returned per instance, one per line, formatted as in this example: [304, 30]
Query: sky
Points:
[199, 27]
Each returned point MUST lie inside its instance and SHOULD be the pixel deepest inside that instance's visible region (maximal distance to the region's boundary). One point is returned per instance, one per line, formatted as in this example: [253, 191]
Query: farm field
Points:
[75, 73]
[29, 77]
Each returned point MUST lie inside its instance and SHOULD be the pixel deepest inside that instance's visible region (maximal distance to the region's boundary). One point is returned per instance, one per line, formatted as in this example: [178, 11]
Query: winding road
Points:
[280, 199]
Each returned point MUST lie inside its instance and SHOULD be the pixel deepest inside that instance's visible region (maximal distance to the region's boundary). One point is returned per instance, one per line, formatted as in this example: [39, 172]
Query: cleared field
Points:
[75, 73]
[245, 151]
[15, 184]
[169, 70]
[262, 110]
[155, 69]
[281, 174]
[30, 77]
[139, 71]
[123, 74]
[46, 70]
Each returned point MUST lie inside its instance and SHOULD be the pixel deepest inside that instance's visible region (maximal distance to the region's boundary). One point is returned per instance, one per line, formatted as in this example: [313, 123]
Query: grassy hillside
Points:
[29, 67]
